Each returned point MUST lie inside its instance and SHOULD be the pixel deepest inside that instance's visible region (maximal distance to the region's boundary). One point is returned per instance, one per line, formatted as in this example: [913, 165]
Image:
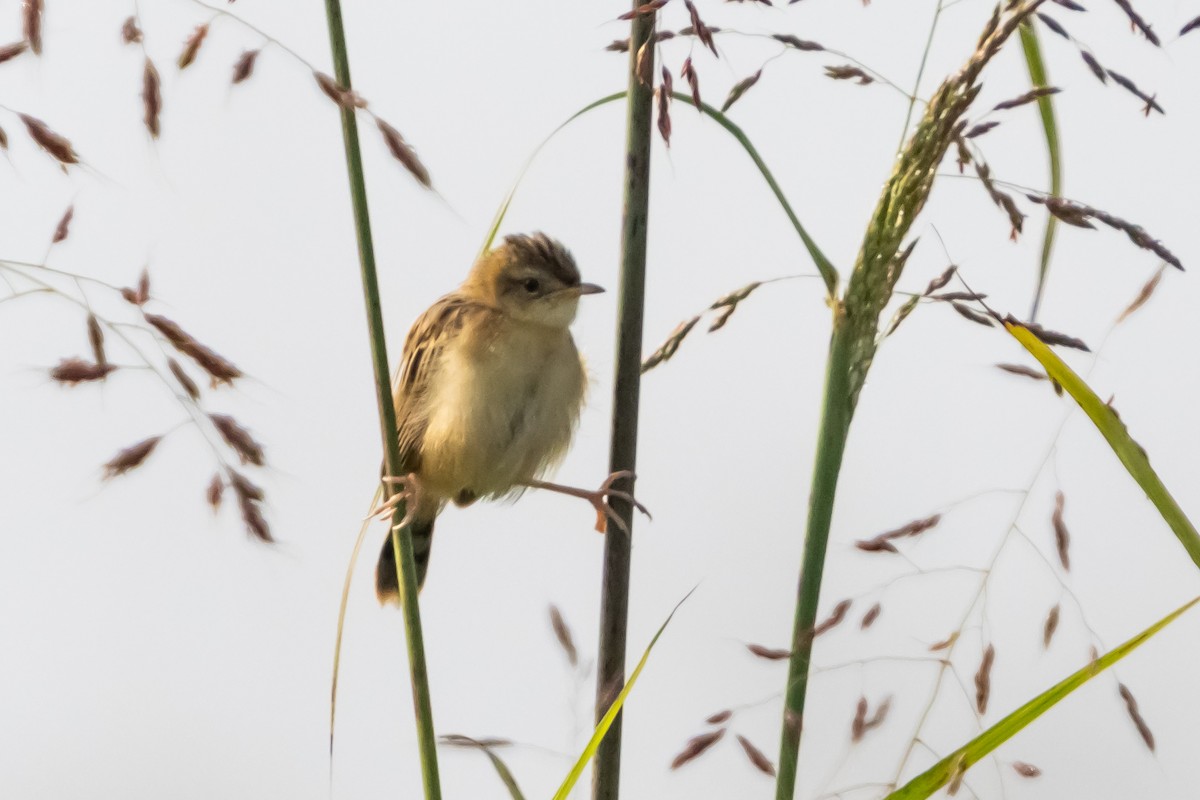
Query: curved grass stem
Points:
[401, 536]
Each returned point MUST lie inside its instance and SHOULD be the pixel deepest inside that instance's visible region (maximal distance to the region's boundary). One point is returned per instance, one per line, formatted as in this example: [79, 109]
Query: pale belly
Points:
[492, 428]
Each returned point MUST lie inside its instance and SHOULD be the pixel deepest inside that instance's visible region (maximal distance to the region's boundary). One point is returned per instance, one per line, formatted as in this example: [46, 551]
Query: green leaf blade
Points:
[1039, 79]
[1117, 435]
[937, 776]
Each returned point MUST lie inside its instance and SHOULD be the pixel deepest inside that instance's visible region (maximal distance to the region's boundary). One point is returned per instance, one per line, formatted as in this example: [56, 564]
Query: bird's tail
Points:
[387, 589]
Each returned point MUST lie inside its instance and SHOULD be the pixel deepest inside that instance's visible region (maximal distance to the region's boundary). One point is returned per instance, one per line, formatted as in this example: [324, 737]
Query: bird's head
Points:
[532, 278]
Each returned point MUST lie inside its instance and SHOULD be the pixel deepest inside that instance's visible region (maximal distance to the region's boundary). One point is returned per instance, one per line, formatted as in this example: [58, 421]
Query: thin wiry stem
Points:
[614, 608]
[401, 536]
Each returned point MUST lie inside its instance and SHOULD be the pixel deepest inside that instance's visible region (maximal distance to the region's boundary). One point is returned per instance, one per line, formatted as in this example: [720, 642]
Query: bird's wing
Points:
[427, 338]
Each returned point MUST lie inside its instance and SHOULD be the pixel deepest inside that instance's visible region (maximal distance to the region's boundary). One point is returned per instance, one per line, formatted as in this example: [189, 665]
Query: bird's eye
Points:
[531, 285]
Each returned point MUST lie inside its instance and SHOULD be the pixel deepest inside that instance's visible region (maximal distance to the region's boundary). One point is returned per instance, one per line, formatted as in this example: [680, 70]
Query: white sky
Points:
[150, 650]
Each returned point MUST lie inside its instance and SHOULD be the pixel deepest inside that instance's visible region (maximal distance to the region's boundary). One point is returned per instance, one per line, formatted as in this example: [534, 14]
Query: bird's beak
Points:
[590, 288]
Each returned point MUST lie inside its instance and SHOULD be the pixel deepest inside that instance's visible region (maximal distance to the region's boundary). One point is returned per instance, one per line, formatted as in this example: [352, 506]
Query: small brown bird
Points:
[489, 392]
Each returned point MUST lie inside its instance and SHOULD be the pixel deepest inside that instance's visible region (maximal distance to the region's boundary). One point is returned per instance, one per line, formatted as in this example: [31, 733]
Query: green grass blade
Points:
[1037, 76]
[606, 721]
[1114, 431]
[961, 759]
[828, 271]
[503, 210]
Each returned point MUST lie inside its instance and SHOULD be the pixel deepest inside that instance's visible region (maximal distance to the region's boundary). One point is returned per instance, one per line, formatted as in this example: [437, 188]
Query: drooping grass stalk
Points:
[853, 343]
[614, 603]
[401, 537]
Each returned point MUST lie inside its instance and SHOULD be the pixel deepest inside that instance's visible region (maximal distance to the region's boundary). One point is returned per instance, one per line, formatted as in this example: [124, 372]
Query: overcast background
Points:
[148, 649]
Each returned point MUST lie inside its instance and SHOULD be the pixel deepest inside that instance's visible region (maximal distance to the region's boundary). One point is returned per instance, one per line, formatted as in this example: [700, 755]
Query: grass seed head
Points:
[54, 144]
[72, 371]
[192, 46]
[239, 439]
[11, 51]
[563, 634]
[696, 747]
[243, 68]
[151, 98]
[130, 32]
[131, 457]
[31, 24]
[756, 756]
[403, 153]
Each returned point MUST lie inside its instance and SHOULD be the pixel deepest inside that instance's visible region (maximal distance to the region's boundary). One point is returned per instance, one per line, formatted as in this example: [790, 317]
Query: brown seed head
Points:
[11, 51]
[54, 144]
[31, 24]
[75, 370]
[244, 66]
[401, 151]
[563, 634]
[238, 438]
[130, 32]
[130, 457]
[151, 98]
[192, 46]
[756, 757]
[696, 746]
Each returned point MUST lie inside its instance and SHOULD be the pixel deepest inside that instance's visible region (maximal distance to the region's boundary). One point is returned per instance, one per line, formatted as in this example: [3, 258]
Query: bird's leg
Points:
[409, 491]
[598, 498]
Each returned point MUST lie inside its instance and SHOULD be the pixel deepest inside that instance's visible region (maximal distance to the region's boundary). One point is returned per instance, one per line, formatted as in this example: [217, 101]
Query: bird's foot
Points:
[599, 498]
[408, 491]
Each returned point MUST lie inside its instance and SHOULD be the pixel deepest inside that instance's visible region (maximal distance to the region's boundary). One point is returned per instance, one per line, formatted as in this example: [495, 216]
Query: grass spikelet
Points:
[1050, 627]
[769, 653]
[696, 747]
[63, 228]
[983, 679]
[1028, 97]
[563, 634]
[243, 487]
[243, 68]
[944, 644]
[192, 46]
[96, 339]
[1026, 770]
[185, 381]
[3, 139]
[663, 93]
[941, 280]
[799, 44]
[980, 129]
[876, 545]
[337, 93]
[1050, 337]
[130, 32]
[1094, 65]
[72, 371]
[728, 303]
[1190, 26]
[834, 619]
[11, 51]
[719, 717]
[214, 492]
[1143, 295]
[1053, 26]
[966, 312]
[1136, 20]
[403, 153]
[151, 98]
[54, 144]
[131, 457]
[1003, 200]
[756, 756]
[249, 496]
[1022, 370]
[703, 32]
[1062, 537]
[31, 24]
[1070, 5]
[739, 89]
[668, 348]
[1131, 705]
[688, 73]
[869, 618]
[848, 72]
[644, 9]
[1132, 88]
[219, 368]
[238, 438]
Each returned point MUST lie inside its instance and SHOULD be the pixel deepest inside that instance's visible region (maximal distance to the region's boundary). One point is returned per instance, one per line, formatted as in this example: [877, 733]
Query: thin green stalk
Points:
[614, 608]
[1039, 79]
[401, 537]
[831, 445]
